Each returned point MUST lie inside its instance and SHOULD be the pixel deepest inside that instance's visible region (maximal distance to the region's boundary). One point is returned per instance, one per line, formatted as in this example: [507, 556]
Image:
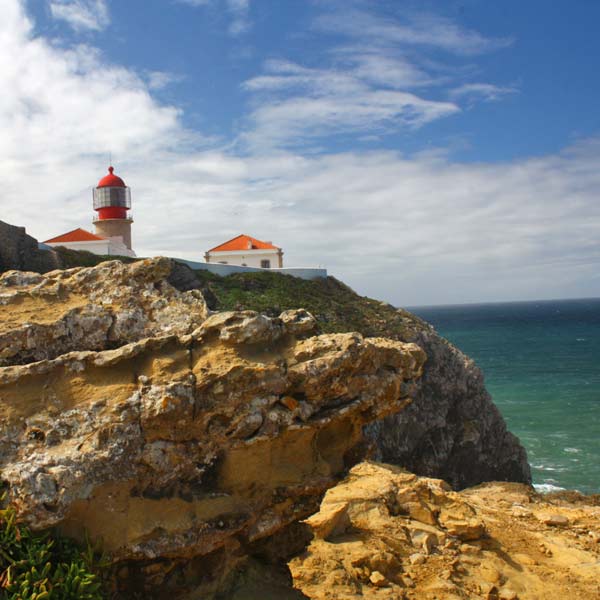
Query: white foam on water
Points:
[545, 488]
[572, 450]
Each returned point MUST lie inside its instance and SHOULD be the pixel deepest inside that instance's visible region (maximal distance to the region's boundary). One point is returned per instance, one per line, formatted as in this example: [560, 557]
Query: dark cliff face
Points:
[20, 251]
[452, 430]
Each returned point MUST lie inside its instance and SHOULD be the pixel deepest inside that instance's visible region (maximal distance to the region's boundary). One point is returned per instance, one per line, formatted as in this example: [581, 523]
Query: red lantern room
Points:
[112, 198]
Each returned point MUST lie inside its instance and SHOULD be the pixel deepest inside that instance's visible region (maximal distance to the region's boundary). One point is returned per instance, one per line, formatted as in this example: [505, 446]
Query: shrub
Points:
[38, 566]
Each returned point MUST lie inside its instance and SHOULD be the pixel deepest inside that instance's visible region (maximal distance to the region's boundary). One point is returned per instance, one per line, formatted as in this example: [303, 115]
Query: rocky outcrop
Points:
[20, 251]
[190, 441]
[385, 533]
[452, 430]
[93, 308]
[181, 448]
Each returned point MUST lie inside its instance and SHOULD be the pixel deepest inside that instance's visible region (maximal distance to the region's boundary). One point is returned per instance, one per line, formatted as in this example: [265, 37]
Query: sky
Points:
[424, 152]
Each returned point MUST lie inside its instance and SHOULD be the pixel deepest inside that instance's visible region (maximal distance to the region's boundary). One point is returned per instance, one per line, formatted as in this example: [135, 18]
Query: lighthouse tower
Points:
[112, 200]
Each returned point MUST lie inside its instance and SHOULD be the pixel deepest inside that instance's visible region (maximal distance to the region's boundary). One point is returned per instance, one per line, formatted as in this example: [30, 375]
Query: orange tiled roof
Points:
[243, 242]
[77, 235]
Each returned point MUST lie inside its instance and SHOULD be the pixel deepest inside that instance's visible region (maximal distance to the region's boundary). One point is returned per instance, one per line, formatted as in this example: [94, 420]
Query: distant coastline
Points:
[417, 308]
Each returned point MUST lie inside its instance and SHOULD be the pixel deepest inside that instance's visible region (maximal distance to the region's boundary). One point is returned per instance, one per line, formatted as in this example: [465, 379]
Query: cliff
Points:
[176, 437]
[194, 442]
[452, 430]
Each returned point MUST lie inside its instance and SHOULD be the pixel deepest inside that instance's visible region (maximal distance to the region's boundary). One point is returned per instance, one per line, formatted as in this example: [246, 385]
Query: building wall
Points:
[248, 258]
[104, 247]
[224, 270]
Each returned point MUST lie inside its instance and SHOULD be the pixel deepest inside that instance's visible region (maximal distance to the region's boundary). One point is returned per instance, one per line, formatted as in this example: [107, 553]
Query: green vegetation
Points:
[82, 258]
[337, 307]
[36, 566]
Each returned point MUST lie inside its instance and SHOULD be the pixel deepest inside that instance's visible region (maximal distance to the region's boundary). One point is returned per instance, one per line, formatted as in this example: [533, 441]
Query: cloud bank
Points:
[412, 230]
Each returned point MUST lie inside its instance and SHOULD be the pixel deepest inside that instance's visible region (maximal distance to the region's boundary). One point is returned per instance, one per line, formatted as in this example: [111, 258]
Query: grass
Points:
[82, 258]
[335, 305]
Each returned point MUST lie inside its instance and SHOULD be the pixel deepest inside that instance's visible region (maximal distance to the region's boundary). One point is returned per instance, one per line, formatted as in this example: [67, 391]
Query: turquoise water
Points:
[541, 362]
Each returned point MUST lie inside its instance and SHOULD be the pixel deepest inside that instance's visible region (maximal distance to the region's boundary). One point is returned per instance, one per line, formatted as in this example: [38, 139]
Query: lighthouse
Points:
[112, 200]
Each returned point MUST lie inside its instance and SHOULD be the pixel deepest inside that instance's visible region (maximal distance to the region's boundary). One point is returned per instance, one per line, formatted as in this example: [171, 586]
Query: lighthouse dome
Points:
[111, 180]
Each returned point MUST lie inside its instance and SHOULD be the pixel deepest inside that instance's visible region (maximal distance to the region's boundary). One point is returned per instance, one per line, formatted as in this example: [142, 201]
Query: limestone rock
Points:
[243, 327]
[378, 579]
[388, 552]
[332, 519]
[187, 445]
[556, 520]
[299, 322]
[92, 308]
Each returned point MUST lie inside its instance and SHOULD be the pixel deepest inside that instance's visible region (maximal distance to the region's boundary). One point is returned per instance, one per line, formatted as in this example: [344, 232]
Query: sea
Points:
[541, 362]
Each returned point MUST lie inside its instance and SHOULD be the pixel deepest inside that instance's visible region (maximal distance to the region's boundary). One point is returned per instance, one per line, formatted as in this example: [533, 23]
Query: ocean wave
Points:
[572, 450]
[545, 488]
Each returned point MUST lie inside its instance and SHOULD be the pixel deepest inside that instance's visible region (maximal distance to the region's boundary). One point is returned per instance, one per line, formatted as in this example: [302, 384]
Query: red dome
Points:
[111, 180]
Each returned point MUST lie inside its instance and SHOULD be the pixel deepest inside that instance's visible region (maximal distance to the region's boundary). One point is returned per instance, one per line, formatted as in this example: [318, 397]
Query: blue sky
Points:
[425, 152]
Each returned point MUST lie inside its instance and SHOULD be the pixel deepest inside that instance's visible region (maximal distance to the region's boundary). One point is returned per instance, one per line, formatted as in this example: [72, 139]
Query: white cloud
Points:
[408, 29]
[194, 2]
[391, 71]
[238, 11]
[410, 230]
[481, 91]
[158, 80]
[375, 79]
[296, 104]
[82, 14]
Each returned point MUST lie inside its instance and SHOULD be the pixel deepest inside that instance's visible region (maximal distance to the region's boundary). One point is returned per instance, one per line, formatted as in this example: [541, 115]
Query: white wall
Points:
[224, 270]
[110, 247]
[248, 258]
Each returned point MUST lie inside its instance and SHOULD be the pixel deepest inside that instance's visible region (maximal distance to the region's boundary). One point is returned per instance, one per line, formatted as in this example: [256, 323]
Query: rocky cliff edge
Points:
[386, 534]
[176, 436]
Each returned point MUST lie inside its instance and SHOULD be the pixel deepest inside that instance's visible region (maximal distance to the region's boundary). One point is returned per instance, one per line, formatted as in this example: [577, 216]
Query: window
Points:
[265, 264]
[111, 196]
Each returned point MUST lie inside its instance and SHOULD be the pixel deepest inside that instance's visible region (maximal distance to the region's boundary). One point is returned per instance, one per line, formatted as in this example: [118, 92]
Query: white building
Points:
[80, 239]
[246, 251]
